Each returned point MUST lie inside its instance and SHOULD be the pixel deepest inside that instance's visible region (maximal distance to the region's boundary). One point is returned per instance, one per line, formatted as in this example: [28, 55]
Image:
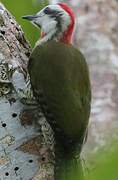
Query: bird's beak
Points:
[35, 19]
[30, 17]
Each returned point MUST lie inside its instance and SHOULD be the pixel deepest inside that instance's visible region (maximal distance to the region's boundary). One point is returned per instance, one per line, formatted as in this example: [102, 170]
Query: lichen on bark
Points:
[25, 153]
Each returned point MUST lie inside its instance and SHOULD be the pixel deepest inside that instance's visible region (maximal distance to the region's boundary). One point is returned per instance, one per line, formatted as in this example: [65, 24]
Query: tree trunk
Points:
[26, 151]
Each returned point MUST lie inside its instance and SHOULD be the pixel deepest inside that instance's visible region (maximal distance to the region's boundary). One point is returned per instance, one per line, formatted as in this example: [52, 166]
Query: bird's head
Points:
[56, 23]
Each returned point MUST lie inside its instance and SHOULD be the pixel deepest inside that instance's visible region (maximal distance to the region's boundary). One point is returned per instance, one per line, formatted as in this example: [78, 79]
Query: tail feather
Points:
[68, 168]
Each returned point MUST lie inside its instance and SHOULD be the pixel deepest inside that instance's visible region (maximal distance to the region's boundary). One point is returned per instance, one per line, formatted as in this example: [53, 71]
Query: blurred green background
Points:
[19, 8]
[106, 164]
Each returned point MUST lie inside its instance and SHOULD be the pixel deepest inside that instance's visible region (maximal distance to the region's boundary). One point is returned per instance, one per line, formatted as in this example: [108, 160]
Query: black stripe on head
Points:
[54, 14]
[47, 10]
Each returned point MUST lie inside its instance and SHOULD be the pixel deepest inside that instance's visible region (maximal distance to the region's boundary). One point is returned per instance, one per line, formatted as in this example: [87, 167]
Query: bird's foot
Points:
[26, 96]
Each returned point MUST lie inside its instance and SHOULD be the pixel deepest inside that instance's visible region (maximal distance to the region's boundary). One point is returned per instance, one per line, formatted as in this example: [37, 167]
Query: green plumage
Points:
[60, 72]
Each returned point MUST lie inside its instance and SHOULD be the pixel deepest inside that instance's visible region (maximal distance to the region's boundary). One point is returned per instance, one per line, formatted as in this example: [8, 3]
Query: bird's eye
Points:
[47, 10]
[52, 12]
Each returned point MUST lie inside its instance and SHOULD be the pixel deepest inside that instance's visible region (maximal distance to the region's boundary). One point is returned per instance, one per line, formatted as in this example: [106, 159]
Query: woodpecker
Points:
[59, 77]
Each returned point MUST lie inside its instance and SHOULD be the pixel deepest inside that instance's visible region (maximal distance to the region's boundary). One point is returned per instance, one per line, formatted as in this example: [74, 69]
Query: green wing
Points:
[61, 73]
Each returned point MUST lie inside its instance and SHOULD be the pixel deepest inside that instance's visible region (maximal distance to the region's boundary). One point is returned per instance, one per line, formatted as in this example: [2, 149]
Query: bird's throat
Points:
[65, 37]
[42, 35]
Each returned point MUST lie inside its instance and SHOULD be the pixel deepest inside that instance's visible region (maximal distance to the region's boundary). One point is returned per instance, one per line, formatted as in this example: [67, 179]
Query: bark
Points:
[26, 152]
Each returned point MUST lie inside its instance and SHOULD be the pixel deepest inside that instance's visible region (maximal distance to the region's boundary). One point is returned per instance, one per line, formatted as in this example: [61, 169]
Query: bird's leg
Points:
[26, 94]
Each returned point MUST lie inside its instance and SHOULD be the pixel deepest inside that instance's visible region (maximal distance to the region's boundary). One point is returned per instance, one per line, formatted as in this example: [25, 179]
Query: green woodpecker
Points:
[59, 76]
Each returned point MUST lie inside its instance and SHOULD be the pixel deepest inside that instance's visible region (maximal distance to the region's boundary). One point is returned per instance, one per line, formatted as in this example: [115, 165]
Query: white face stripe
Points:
[49, 24]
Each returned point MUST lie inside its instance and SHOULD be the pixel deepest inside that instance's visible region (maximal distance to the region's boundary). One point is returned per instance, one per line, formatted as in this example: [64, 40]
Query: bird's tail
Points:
[68, 167]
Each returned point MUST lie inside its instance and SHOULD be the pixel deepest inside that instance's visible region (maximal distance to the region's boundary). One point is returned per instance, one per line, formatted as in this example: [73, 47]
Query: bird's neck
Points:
[56, 35]
[67, 36]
